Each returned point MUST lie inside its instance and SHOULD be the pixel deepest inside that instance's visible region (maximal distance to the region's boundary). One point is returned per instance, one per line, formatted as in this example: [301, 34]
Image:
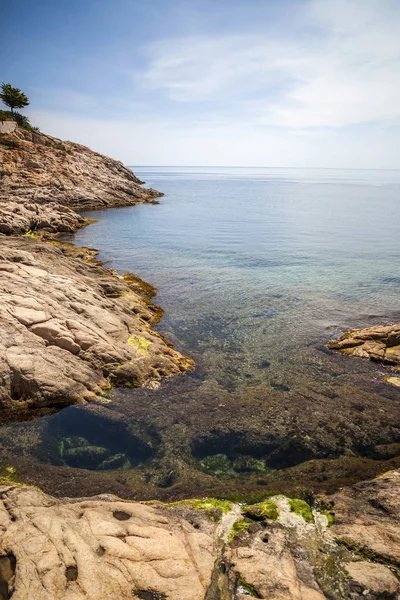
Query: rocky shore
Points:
[70, 327]
[70, 330]
[380, 344]
[344, 547]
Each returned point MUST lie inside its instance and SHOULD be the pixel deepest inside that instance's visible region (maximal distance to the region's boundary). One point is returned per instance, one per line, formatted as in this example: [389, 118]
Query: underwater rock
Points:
[218, 464]
[117, 461]
[248, 463]
[85, 457]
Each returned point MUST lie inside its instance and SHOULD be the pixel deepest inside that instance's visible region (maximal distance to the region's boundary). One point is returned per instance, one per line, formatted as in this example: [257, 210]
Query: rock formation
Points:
[102, 548]
[70, 328]
[380, 344]
[42, 169]
[38, 173]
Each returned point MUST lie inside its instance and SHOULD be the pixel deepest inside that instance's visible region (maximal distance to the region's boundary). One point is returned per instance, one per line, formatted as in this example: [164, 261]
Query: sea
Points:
[256, 269]
[255, 265]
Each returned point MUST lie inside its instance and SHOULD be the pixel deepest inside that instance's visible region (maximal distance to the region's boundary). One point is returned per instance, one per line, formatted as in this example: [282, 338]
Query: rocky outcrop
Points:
[19, 216]
[71, 328]
[380, 344]
[43, 178]
[101, 547]
[42, 169]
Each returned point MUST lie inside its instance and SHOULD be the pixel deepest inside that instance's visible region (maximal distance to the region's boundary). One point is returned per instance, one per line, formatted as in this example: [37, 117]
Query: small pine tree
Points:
[13, 97]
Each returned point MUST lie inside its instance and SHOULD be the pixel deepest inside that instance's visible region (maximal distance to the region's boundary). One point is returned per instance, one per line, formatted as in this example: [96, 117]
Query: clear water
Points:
[256, 270]
[254, 266]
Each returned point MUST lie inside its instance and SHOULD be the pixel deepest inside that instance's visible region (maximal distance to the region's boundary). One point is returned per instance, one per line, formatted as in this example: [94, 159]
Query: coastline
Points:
[72, 328]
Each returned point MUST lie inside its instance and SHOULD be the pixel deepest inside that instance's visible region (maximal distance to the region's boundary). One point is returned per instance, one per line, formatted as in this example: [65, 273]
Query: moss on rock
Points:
[263, 510]
[301, 508]
[241, 525]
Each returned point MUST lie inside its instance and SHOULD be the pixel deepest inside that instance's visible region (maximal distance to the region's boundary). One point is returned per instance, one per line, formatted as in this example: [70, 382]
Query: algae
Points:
[326, 508]
[238, 526]
[301, 508]
[9, 474]
[217, 464]
[262, 510]
[140, 344]
[214, 507]
[247, 589]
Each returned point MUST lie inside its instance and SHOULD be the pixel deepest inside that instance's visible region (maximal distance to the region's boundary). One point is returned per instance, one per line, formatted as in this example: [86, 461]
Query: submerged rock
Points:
[85, 457]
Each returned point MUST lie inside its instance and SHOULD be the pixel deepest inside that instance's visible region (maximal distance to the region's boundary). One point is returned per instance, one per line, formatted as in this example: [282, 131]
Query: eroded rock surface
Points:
[70, 327]
[41, 175]
[381, 344]
[102, 548]
[367, 517]
[297, 558]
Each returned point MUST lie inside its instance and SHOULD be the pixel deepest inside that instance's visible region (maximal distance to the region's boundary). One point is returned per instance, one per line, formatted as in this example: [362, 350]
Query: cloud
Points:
[345, 72]
[314, 87]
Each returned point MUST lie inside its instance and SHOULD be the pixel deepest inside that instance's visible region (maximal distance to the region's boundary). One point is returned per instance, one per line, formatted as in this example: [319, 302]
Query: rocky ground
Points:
[70, 328]
[344, 547]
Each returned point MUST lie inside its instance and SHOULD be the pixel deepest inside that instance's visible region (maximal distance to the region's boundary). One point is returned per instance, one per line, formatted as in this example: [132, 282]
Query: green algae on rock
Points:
[301, 508]
[238, 527]
[262, 510]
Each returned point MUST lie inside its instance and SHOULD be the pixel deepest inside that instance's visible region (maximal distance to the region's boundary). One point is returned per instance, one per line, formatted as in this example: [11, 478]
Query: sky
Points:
[267, 83]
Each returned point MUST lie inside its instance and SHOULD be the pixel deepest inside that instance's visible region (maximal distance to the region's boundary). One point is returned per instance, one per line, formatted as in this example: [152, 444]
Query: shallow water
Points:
[254, 263]
[256, 270]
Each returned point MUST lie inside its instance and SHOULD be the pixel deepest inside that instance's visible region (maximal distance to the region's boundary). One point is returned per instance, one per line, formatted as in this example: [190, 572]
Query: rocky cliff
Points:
[42, 178]
[69, 327]
[346, 547]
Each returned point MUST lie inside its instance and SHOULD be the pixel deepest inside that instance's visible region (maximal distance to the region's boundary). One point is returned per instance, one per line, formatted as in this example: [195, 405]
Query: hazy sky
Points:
[212, 82]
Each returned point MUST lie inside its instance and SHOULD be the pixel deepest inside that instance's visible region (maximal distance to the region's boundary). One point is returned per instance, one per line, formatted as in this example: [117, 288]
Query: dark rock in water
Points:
[219, 464]
[75, 441]
[85, 457]
[117, 461]
[248, 463]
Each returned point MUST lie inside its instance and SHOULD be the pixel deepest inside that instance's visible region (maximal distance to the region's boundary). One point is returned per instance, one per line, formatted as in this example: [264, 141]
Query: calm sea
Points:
[255, 266]
[256, 269]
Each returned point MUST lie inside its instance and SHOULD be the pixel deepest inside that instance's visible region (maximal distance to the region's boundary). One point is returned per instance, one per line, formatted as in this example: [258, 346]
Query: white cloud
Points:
[322, 91]
[161, 142]
[347, 72]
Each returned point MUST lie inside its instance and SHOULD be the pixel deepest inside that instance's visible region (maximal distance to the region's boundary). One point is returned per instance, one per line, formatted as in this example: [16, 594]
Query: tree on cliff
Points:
[13, 97]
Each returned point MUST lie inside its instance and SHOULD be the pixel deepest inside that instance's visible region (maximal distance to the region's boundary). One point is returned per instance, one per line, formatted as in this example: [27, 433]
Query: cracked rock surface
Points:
[103, 548]
[69, 328]
[41, 176]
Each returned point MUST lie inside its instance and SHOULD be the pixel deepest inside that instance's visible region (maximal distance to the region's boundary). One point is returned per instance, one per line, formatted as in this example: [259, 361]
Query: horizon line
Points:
[274, 167]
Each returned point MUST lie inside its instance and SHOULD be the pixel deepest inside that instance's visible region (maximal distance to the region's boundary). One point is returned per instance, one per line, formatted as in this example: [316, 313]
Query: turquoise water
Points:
[255, 266]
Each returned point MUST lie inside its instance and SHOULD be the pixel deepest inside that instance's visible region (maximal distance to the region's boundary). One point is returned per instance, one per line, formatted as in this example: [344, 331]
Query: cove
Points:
[256, 270]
